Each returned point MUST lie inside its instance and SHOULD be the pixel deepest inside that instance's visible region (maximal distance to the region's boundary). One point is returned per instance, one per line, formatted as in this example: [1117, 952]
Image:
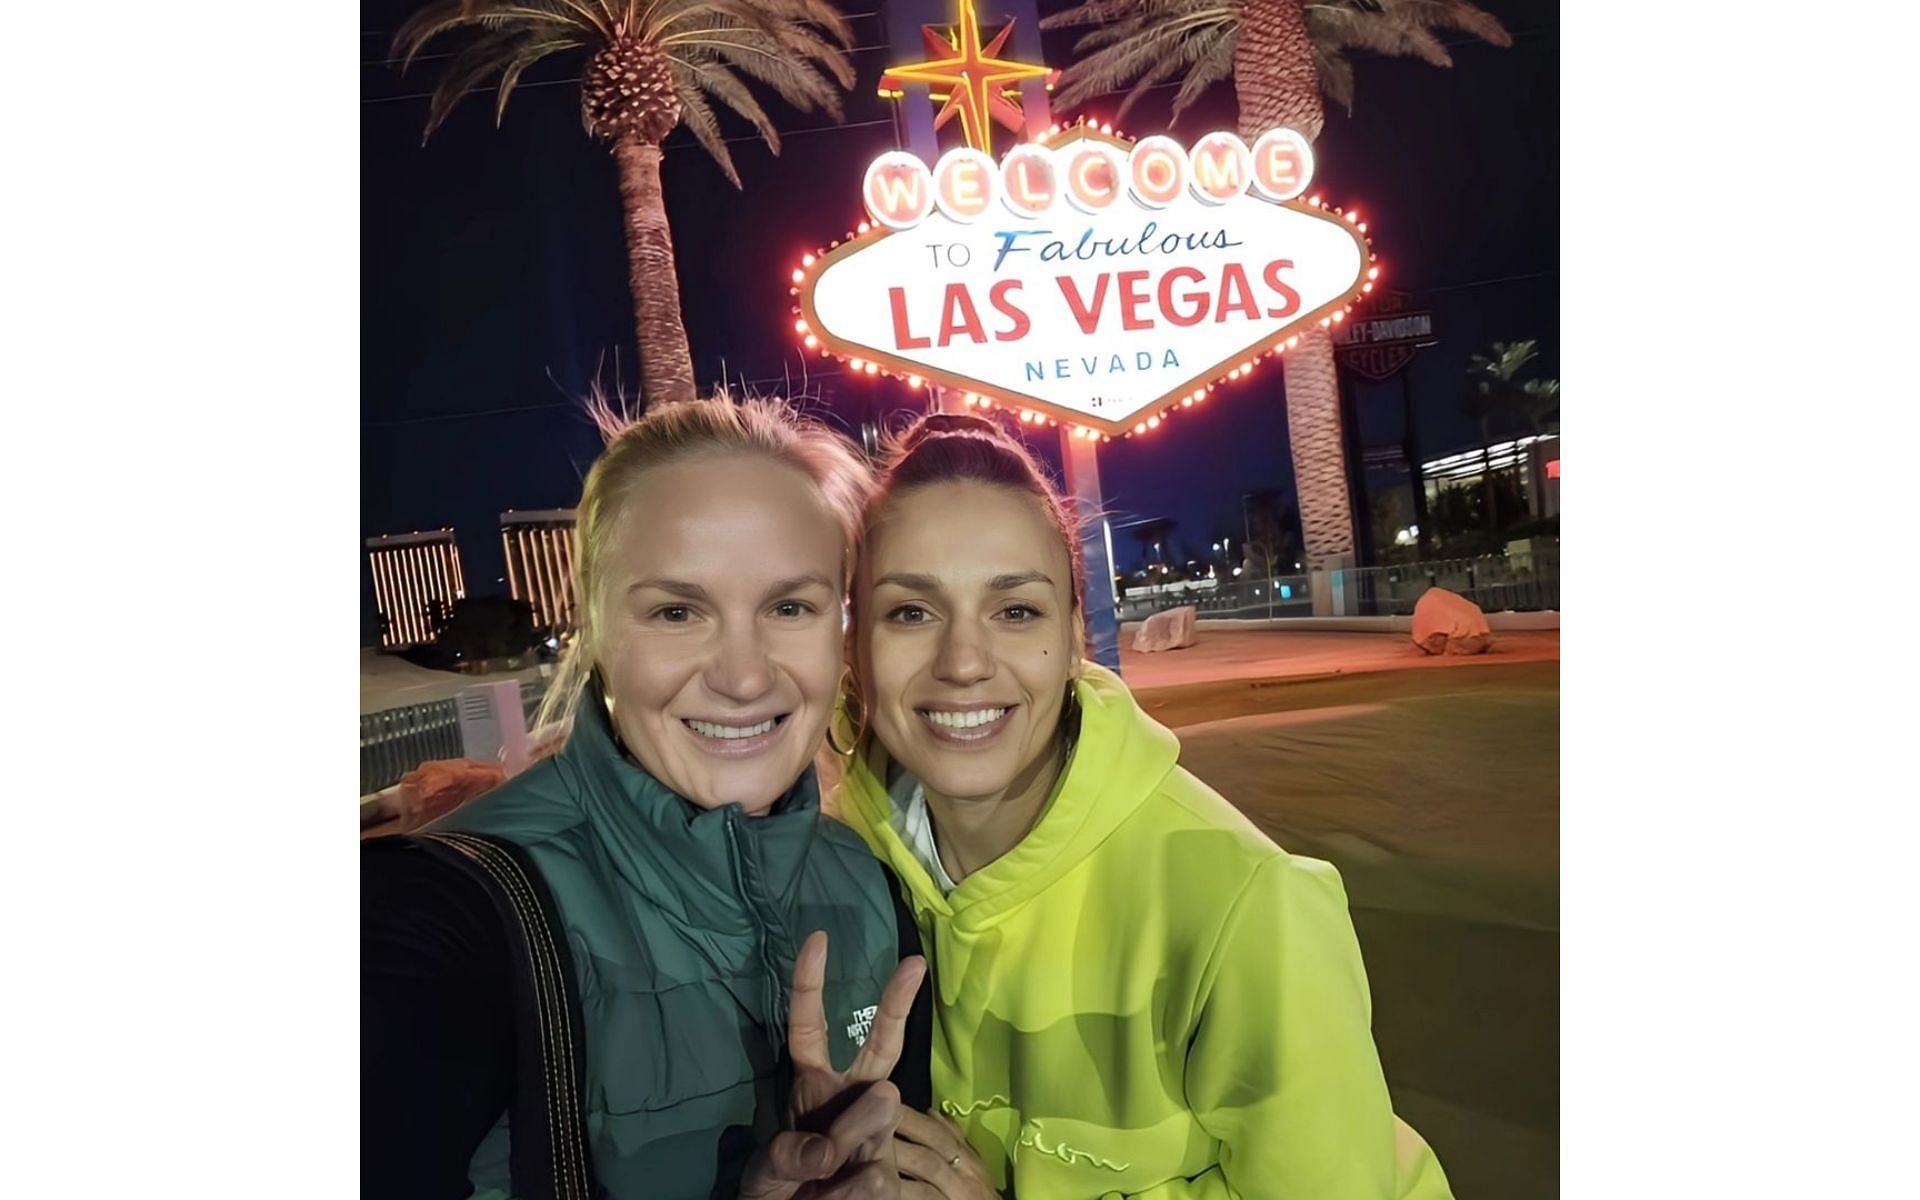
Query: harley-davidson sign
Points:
[1379, 344]
[1094, 279]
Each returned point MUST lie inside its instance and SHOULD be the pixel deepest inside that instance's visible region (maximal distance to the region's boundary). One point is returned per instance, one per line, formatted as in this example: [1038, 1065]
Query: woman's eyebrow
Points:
[913, 583]
[1006, 583]
[673, 587]
[801, 583]
[999, 583]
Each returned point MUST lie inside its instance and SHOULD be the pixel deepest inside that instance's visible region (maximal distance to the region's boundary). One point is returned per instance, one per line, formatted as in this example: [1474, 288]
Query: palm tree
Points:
[1494, 389]
[1291, 52]
[650, 66]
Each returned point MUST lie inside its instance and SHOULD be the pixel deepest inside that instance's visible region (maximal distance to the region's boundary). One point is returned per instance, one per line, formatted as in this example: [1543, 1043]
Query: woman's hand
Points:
[820, 1093]
[814, 1166]
[842, 1144]
[936, 1161]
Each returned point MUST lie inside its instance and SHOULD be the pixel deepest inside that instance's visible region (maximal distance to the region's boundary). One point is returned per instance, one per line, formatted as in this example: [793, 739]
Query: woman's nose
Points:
[742, 668]
[964, 657]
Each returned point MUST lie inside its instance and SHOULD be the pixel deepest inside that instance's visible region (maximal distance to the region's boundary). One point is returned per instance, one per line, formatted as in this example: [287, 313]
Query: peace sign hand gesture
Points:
[842, 1141]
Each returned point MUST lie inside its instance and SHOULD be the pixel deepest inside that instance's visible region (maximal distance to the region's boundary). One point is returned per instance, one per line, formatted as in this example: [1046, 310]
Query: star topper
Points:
[979, 86]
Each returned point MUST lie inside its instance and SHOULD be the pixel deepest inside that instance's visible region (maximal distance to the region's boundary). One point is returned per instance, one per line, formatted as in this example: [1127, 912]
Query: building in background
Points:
[539, 550]
[416, 579]
[1543, 476]
[1533, 461]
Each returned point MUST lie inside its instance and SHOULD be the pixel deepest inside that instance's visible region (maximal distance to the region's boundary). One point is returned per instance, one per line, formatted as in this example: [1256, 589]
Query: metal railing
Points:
[1283, 596]
[1496, 582]
[397, 740]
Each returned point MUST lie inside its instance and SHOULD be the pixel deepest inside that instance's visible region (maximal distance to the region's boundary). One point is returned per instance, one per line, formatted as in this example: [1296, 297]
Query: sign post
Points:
[1378, 347]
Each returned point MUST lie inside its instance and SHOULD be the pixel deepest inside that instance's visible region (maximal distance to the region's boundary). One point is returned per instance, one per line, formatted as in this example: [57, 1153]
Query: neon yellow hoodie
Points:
[1146, 997]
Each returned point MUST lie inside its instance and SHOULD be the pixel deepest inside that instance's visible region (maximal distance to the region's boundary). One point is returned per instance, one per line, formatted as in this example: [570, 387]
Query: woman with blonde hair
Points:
[629, 971]
[1136, 993]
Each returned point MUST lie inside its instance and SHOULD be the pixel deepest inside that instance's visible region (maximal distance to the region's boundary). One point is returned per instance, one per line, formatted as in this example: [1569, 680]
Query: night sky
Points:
[493, 275]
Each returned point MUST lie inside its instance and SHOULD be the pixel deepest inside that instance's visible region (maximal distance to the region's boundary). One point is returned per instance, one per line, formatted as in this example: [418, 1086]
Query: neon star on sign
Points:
[1092, 279]
[977, 84]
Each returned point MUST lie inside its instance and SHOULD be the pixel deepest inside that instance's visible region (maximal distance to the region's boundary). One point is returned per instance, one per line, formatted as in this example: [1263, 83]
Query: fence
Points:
[1283, 596]
[397, 740]
[1497, 583]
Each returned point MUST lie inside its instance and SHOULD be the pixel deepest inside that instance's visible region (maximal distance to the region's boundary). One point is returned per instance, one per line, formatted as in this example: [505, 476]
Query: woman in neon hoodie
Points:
[1137, 993]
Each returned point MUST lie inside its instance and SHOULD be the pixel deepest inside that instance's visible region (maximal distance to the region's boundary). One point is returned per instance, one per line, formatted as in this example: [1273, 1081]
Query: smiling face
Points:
[721, 639]
[967, 636]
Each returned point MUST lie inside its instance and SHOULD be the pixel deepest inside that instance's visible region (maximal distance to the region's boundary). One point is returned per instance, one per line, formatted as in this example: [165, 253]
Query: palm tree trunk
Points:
[666, 367]
[1276, 83]
[1273, 73]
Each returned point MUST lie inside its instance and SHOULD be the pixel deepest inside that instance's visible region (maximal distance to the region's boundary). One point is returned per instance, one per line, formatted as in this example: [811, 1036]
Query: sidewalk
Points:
[1223, 654]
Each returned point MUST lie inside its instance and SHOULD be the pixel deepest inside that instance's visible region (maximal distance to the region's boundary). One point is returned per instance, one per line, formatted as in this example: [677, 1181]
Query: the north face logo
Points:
[862, 1022]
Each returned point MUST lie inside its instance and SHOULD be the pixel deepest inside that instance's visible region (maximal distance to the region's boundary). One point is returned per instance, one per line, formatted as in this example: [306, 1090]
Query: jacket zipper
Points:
[772, 991]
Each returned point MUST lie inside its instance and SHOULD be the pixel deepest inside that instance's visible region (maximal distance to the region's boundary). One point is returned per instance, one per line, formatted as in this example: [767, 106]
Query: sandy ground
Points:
[1222, 654]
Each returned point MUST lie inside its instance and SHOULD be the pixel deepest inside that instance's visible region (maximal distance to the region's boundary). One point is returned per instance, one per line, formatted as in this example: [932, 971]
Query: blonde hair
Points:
[672, 433]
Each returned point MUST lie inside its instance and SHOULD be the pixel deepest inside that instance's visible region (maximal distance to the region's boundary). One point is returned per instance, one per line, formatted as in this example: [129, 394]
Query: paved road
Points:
[1436, 793]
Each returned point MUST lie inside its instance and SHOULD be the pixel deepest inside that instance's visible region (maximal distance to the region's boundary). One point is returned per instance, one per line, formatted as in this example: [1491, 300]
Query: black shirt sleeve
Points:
[913, 1074]
[436, 1032]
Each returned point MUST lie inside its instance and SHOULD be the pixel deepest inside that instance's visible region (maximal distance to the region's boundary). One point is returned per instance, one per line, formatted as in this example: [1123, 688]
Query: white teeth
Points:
[965, 720]
[708, 729]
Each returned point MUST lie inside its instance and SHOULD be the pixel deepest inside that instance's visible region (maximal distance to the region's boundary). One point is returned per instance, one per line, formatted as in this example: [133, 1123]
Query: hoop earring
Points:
[598, 683]
[847, 708]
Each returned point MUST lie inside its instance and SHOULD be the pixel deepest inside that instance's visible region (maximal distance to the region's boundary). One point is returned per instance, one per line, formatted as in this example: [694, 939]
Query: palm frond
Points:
[662, 16]
[485, 56]
[1212, 62]
[1146, 83]
[1449, 14]
[711, 25]
[719, 81]
[1131, 41]
[798, 48]
[530, 53]
[1093, 12]
[563, 13]
[1136, 48]
[1336, 75]
[422, 27]
[796, 80]
[1339, 27]
[698, 116]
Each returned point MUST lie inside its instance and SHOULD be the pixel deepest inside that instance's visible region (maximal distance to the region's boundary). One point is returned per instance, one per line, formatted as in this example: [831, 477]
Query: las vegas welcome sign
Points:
[1096, 280]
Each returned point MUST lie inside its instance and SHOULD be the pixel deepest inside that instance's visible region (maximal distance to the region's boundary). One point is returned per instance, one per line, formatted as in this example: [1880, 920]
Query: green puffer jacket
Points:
[682, 926]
